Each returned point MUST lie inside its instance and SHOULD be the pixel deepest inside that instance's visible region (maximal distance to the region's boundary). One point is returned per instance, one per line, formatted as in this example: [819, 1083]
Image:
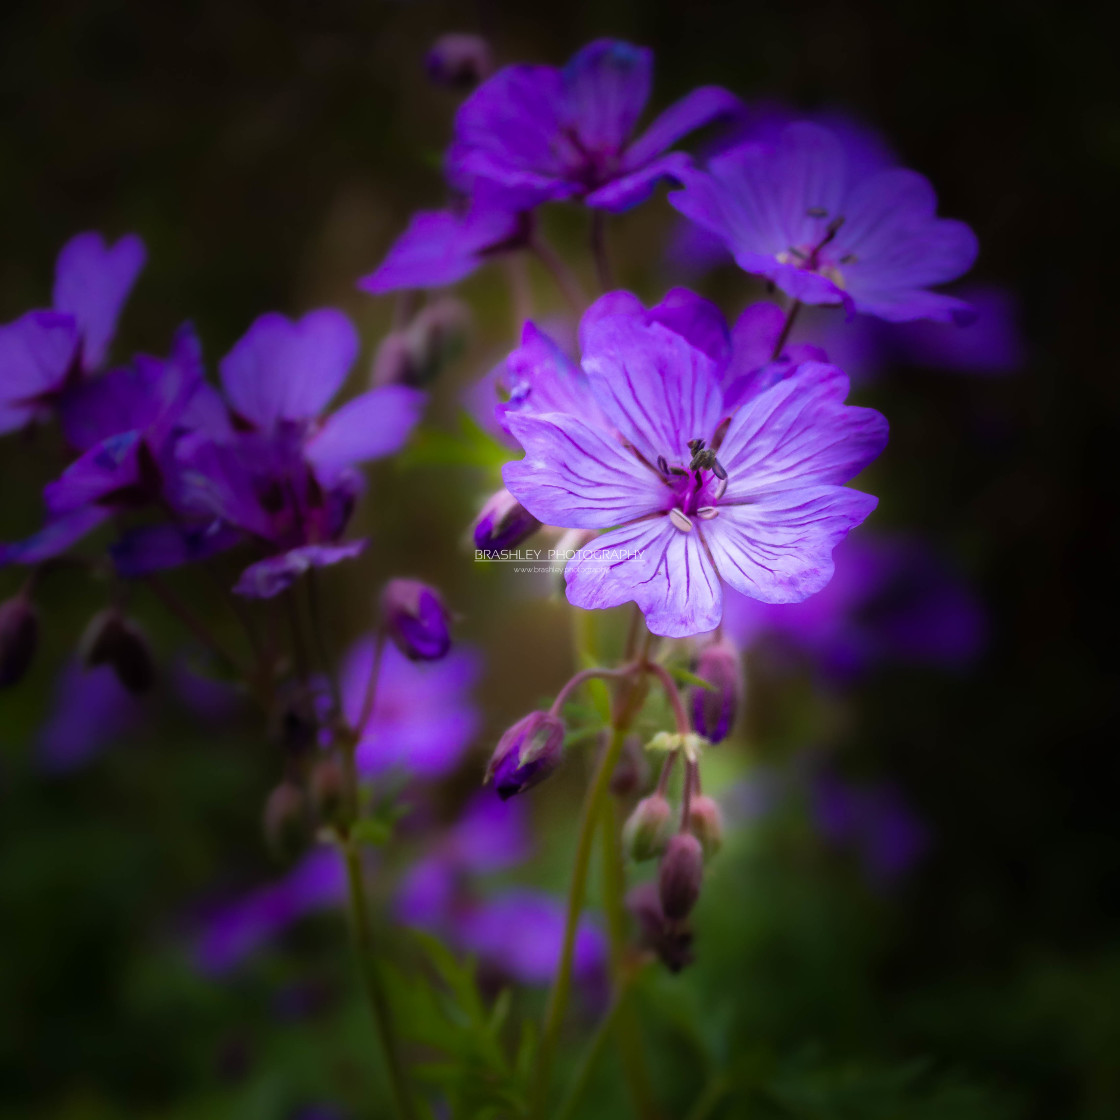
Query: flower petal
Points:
[606, 86]
[628, 190]
[578, 477]
[376, 424]
[268, 578]
[778, 549]
[799, 433]
[657, 389]
[36, 353]
[669, 574]
[285, 370]
[55, 537]
[92, 282]
[541, 378]
[700, 107]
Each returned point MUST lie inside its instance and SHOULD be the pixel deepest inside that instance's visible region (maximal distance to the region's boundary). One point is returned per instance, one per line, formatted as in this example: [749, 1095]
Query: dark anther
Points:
[695, 445]
[662, 464]
[849, 258]
[718, 471]
[817, 212]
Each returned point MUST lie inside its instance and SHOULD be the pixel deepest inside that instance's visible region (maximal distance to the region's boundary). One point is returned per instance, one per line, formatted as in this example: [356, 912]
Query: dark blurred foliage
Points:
[268, 153]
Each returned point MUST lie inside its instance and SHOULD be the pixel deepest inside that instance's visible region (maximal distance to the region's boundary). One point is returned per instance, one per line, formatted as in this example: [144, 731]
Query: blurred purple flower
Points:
[90, 710]
[892, 598]
[763, 517]
[827, 229]
[534, 134]
[45, 353]
[423, 717]
[232, 932]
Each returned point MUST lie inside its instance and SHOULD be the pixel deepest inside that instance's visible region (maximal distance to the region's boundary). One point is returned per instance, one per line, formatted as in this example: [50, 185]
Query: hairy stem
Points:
[371, 981]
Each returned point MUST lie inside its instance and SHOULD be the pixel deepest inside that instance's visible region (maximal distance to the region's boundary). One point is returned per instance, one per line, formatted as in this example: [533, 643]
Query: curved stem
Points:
[787, 326]
[371, 981]
[587, 675]
[318, 631]
[194, 624]
[561, 273]
[561, 986]
[599, 250]
[673, 695]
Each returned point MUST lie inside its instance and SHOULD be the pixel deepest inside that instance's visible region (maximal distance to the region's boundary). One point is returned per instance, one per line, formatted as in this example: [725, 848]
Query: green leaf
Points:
[683, 676]
[373, 831]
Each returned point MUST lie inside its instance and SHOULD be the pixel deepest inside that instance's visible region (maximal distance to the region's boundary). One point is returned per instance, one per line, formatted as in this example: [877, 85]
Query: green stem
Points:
[561, 986]
[706, 1103]
[625, 1024]
[371, 980]
[565, 279]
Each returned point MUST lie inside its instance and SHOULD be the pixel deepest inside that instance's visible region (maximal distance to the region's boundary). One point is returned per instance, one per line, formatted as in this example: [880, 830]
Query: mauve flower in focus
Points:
[798, 214]
[704, 493]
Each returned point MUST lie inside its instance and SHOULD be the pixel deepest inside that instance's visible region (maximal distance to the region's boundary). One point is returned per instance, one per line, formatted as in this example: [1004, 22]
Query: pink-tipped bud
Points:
[680, 875]
[328, 791]
[416, 619]
[112, 639]
[646, 831]
[705, 821]
[459, 61]
[287, 827]
[19, 638]
[526, 754]
[503, 523]
[632, 769]
[714, 709]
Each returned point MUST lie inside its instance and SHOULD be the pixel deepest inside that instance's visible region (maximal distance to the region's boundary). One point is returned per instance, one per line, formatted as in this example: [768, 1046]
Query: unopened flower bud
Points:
[680, 875]
[286, 825]
[416, 619]
[414, 355]
[503, 523]
[705, 821]
[112, 639]
[393, 362]
[671, 941]
[526, 754]
[714, 709]
[328, 790]
[646, 830]
[19, 638]
[459, 61]
[632, 768]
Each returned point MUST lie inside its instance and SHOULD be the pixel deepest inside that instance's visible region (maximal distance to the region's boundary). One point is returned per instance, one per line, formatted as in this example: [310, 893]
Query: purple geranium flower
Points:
[804, 216]
[702, 492]
[533, 134]
[422, 719]
[892, 599]
[45, 352]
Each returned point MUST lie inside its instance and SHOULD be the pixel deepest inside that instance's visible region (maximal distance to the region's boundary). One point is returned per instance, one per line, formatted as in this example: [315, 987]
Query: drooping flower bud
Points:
[632, 768]
[328, 790]
[645, 833]
[680, 875]
[415, 354]
[112, 639]
[526, 754]
[459, 61]
[714, 709]
[19, 638]
[416, 619]
[671, 941]
[503, 523]
[287, 828]
[706, 823]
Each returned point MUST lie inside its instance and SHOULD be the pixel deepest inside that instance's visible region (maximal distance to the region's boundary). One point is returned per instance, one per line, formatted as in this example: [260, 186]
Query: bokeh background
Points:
[268, 153]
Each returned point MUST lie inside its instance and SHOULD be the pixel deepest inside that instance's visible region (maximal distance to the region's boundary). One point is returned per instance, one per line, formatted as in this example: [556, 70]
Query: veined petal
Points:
[700, 107]
[541, 378]
[657, 389]
[577, 477]
[376, 424]
[778, 549]
[669, 574]
[92, 282]
[799, 433]
[284, 370]
[606, 86]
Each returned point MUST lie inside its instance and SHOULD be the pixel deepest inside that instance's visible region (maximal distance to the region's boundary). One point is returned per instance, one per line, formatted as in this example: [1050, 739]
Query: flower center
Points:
[811, 256]
[695, 489]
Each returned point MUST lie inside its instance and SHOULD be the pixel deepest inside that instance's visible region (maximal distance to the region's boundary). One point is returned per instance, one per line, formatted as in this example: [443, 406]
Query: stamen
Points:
[706, 513]
[678, 518]
[721, 486]
[662, 464]
[718, 470]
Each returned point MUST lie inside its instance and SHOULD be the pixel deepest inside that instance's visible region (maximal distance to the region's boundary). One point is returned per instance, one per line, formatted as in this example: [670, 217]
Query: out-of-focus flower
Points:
[502, 523]
[114, 640]
[680, 876]
[416, 619]
[796, 213]
[459, 61]
[45, 353]
[714, 709]
[422, 717]
[705, 493]
[533, 134]
[893, 598]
